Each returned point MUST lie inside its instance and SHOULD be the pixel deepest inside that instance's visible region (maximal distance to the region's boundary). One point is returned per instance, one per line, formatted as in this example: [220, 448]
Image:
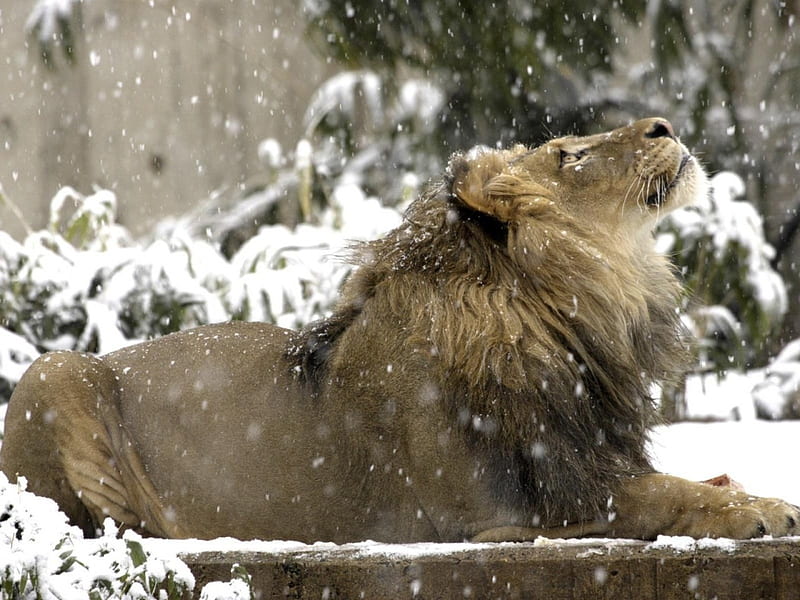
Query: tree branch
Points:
[788, 231]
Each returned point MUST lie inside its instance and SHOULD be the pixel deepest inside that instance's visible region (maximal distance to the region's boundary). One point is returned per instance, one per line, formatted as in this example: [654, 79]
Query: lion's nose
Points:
[660, 128]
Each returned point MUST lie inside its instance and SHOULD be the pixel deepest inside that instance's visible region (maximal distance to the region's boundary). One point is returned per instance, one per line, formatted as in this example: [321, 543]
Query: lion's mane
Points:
[545, 338]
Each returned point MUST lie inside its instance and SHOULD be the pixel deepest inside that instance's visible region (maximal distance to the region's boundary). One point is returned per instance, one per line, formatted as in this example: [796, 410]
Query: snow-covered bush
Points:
[374, 133]
[16, 355]
[778, 395]
[51, 23]
[42, 557]
[736, 299]
[82, 284]
[240, 587]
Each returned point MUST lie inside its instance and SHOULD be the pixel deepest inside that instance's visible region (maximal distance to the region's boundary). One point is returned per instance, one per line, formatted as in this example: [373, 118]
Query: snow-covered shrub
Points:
[42, 557]
[161, 289]
[778, 395]
[52, 22]
[82, 284]
[49, 279]
[91, 224]
[284, 277]
[41, 301]
[736, 299]
[240, 587]
[291, 277]
[16, 355]
[374, 132]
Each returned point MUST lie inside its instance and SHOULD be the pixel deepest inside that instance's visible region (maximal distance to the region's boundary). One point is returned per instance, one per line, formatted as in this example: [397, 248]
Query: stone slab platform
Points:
[669, 569]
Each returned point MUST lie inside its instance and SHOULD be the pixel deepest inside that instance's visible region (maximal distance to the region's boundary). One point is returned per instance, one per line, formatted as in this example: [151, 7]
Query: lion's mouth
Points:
[663, 188]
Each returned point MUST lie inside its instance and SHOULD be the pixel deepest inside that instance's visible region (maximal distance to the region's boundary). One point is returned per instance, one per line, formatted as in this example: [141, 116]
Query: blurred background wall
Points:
[163, 102]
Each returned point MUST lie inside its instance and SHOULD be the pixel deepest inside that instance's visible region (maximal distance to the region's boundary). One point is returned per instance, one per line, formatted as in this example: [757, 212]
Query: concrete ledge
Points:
[546, 569]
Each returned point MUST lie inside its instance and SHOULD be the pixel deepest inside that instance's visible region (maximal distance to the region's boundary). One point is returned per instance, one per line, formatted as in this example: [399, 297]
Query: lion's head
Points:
[622, 181]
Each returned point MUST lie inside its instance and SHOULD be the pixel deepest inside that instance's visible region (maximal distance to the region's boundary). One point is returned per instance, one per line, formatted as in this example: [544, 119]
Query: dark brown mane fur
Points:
[545, 338]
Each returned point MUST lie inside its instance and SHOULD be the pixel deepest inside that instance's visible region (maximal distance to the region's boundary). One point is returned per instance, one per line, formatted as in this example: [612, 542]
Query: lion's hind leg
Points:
[31, 445]
[64, 435]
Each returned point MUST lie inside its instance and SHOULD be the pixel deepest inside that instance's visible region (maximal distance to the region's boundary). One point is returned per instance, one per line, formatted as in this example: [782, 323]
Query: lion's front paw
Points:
[657, 504]
[738, 516]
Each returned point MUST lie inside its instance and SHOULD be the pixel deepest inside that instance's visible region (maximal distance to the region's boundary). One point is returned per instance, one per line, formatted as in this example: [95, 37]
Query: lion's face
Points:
[625, 179]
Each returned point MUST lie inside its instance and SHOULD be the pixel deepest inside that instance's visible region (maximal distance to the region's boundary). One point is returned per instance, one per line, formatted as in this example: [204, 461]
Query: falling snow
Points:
[85, 269]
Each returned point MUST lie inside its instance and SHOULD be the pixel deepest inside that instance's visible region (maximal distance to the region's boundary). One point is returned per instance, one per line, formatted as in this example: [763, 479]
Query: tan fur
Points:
[486, 375]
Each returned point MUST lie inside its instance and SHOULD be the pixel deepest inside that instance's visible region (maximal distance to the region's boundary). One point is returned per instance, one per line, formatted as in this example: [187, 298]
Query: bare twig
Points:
[788, 231]
[12, 206]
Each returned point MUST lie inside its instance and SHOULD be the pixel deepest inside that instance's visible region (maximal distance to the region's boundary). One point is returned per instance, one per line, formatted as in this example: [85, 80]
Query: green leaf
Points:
[137, 553]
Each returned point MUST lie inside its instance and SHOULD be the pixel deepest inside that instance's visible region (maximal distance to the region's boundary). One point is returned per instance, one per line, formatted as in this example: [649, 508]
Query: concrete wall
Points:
[543, 570]
[165, 103]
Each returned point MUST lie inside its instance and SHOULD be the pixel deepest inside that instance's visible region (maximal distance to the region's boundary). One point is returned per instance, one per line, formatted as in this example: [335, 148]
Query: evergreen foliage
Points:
[512, 71]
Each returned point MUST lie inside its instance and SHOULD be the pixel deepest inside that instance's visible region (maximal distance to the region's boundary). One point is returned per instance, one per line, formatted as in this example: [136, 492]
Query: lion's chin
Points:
[689, 185]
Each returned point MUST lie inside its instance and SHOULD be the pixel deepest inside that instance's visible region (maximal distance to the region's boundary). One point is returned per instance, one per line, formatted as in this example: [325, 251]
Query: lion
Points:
[486, 375]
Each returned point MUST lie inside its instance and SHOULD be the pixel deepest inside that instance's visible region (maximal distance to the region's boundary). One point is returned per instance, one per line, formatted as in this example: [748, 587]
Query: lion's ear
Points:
[472, 183]
[489, 183]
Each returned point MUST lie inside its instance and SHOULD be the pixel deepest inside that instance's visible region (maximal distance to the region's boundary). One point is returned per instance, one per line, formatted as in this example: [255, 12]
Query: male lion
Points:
[486, 375]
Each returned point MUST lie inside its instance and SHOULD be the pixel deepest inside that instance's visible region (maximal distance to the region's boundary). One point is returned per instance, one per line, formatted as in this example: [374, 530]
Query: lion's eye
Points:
[571, 158]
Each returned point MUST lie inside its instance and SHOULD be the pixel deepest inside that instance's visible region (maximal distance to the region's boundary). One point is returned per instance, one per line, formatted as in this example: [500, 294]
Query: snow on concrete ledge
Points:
[588, 568]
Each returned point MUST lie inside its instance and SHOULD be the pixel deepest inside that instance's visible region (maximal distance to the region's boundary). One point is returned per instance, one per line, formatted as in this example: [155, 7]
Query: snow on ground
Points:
[366, 548]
